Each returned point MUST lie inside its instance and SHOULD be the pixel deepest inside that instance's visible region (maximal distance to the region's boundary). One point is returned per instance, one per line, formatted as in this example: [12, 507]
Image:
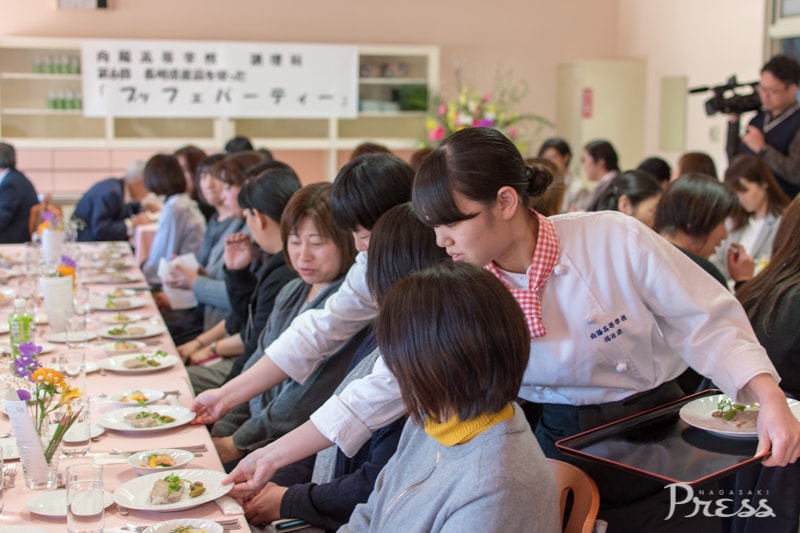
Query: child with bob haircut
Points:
[467, 450]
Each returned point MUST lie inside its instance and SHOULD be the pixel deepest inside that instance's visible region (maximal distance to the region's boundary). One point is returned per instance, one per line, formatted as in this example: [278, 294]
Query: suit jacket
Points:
[104, 211]
[17, 196]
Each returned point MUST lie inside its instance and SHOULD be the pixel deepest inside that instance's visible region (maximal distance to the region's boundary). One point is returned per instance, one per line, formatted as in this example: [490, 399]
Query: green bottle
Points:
[20, 326]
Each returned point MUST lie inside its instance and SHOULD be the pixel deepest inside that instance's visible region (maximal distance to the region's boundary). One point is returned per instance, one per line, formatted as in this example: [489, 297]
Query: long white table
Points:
[100, 386]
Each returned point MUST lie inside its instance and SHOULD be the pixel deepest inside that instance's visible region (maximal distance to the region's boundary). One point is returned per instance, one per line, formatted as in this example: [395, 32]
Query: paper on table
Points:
[229, 506]
[31, 451]
[57, 293]
[52, 242]
[178, 298]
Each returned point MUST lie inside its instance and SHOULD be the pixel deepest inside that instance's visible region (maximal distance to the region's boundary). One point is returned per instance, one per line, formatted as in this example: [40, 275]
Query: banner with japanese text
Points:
[125, 78]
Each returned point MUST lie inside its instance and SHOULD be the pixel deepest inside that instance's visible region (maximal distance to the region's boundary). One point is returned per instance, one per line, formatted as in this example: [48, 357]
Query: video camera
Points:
[733, 103]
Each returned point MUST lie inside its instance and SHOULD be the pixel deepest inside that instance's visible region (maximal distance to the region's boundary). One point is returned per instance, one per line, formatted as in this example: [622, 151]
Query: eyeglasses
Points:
[770, 90]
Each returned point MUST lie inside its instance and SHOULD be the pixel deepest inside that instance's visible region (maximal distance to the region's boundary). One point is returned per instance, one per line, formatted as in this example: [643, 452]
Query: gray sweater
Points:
[498, 481]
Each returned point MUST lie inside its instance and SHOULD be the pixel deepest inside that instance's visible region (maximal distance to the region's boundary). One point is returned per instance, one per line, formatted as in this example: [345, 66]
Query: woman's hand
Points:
[252, 473]
[265, 505]
[238, 253]
[741, 265]
[209, 406]
[226, 449]
[778, 428]
[188, 348]
[162, 302]
[182, 277]
[200, 355]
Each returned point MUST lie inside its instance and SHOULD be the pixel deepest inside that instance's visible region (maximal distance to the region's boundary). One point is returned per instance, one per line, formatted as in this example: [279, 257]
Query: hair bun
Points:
[539, 179]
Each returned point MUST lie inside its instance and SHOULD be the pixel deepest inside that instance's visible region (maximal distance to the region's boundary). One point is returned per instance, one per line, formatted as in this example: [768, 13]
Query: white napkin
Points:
[110, 459]
[229, 506]
[178, 298]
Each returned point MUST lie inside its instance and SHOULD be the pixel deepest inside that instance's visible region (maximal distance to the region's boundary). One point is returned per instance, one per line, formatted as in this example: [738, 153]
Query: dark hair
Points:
[472, 361]
[762, 295]
[267, 164]
[269, 192]
[637, 185]
[418, 157]
[367, 187]
[399, 245]
[235, 166]
[602, 149]
[163, 175]
[208, 165]
[784, 68]
[314, 203]
[8, 156]
[548, 203]
[656, 167]
[558, 144]
[475, 163]
[238, 144]
[695, 204]
[368, 148]
[699, 162]
[192, 155]
[752, 168]
[266, 152]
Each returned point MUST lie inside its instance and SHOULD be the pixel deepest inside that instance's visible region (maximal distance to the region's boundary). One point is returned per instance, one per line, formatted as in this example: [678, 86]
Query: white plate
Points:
[9, 446]
[3, 328]
[61, 336]
[116, 419]
[7, 296]
[201, 523]
[126, 303]
[54, 503]
[121, 318]
[135, 494]
[46, 347]
[150, 330]
[118, 293]
[95, 431]
[697, 413]
[152, 396]
[105, 279]
[136, 346]
[117, 364]
[22, 529]
[181, 458]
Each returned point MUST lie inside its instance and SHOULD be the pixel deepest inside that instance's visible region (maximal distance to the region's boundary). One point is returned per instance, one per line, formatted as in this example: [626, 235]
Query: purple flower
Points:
[29, 349]
[49, 216]
[23, 395]
[68, 261]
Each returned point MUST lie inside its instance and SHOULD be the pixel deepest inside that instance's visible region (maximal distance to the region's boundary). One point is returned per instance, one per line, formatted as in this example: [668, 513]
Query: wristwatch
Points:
[213, 348]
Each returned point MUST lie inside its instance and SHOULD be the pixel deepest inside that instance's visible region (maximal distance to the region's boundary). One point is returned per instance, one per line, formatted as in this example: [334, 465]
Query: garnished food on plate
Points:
[159, 460]
[124, 345]
[135, 396]
[171, 490]
[187, 529]
[741, 416]
[144, 360]
[124, 331]
[114, 302]
[121, 317]
[147, 419]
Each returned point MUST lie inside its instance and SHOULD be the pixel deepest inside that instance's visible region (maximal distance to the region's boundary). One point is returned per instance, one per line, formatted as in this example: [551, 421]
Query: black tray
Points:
[658, 444]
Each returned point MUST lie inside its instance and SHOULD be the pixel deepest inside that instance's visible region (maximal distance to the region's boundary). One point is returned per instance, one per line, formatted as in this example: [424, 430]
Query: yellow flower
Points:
[48, 376]
[43, 226]
[68, 394]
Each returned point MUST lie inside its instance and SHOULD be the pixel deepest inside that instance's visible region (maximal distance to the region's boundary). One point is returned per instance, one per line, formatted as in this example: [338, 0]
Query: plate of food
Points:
[151, 362]
[173, 491]
[54, 503]
[116, 276]
[118, 293]
[120, 347]
[121, 318]
[117, 303]
[186, 525]
[46, 347]
[159, 460]
[127, 331]
[146, 419]
[720, 415]
[136, 397]
[61, 337]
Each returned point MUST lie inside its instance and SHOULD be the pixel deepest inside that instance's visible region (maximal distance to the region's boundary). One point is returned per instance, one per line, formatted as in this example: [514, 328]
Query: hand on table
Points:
[238, 251]
[226, 449]
[265, 505]
[209, 406]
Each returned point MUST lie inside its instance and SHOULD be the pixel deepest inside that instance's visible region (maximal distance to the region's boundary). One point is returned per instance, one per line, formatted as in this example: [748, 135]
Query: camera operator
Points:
[773, 132]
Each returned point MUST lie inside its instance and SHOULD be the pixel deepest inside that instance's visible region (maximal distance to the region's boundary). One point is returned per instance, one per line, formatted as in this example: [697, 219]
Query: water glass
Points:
[78, 439]
[85, 506]
[77, 336]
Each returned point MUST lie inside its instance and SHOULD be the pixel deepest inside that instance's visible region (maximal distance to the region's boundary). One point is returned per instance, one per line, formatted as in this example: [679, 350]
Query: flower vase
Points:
[39, 473]
[52, 245]
[57, 293]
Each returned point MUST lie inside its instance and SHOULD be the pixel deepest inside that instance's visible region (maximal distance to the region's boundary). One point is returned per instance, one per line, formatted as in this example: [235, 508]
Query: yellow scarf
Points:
[454, 431]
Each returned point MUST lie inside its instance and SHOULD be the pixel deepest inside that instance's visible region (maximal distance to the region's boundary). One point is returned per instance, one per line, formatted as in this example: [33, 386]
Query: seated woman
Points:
[635, 193]
[468, 451]
[252, 294]
[694, 162]
[324, 489]
[321, 254]
[691, 215]
[181, 225]
[762, 201]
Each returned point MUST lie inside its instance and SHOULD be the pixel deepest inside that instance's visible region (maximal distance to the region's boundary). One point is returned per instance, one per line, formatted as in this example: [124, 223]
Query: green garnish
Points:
[729, 409]
[110, 300]
[119, 330]
[174, 484]
[151, 359]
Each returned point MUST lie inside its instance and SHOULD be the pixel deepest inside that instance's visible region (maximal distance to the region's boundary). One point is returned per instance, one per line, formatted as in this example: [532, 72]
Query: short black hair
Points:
[269, 192]
[558, 144]
[8, 156]
[367, 187]
[694, 203]
[785, 68]
[602, 149]
[238, 144]
[163, 175]
[454, 351]
[656, 167]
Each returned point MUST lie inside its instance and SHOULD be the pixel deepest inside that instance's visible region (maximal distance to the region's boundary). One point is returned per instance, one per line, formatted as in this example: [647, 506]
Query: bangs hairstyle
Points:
[313, 202]
[399, 245]
[696, 204]
[473, 163]
[453, 351]
[752, 168]
[367, 187]
[207, 166]
[233, 169]
[163, 175]
[269, 192]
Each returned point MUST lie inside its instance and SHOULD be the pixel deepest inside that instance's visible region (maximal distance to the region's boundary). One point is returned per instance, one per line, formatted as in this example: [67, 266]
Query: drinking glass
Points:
[85, 506]
[78, 439]
[77, 336]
